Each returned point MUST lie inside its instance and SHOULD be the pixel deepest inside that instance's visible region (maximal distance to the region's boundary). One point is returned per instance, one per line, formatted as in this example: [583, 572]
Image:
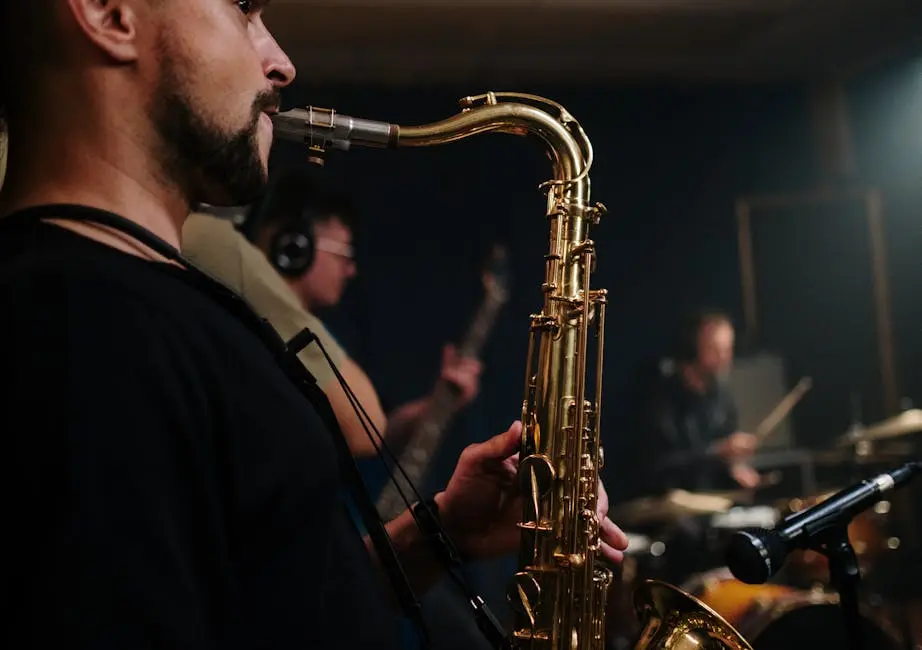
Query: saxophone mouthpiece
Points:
[323, 128]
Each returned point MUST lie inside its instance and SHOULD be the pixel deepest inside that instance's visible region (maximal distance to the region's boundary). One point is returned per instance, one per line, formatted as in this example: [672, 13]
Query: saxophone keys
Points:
[536, 475]
[591, 527]
[524, 595]
[535, 526]
[596, 212]
[570, 560]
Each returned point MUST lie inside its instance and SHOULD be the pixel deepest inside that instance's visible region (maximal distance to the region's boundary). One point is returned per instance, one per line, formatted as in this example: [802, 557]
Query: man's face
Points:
[715, 348]
[325, 282]
[217, 80]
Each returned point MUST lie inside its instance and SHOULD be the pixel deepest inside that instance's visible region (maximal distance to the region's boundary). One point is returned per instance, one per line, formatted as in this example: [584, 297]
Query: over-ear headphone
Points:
[295, 201]
[291, 249]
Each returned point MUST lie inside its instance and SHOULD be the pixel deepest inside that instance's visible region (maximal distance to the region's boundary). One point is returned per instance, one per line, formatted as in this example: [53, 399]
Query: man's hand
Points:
[482, 502]
[461, 372]
[737, 446]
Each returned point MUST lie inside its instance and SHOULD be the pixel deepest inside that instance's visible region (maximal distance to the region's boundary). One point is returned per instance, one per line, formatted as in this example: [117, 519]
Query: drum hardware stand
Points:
[845, 575]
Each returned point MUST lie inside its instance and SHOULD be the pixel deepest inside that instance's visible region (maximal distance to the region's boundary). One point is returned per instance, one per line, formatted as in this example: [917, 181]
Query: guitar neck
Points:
[445, 400]
[425, 440]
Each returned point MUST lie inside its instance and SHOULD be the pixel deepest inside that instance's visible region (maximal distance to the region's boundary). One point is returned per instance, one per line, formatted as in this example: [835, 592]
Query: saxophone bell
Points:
[672, 619]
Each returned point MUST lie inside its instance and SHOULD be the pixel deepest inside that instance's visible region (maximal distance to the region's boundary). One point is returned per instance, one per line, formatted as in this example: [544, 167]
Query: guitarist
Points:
[294, 204]
[308, 277]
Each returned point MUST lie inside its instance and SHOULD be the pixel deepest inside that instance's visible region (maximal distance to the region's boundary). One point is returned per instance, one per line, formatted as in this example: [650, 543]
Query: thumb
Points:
[503, 445]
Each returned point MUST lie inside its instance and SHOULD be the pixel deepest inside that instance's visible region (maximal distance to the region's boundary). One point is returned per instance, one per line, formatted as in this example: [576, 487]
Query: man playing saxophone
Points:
[174, 487]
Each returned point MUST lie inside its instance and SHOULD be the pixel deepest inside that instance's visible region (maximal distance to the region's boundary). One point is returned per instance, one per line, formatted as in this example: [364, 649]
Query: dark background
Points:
[670, 163]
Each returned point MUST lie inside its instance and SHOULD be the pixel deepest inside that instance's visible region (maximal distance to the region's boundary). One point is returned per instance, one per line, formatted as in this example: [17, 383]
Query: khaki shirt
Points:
[4, 145]
[215, 245]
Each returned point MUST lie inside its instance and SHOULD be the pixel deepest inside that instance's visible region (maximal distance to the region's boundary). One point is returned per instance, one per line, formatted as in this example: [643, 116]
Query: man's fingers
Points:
[613, 555]
[503, 445]
[603, 501]
[612, 535]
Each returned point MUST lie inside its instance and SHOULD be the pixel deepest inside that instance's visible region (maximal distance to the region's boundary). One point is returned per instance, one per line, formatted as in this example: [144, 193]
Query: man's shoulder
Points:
[81, 300]
[112, 295]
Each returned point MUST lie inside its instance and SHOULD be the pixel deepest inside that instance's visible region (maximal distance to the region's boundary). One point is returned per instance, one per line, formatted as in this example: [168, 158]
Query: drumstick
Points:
[767, 425]
[784, 407]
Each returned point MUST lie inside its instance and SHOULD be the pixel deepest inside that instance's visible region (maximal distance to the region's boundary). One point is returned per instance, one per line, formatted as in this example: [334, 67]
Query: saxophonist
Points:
[173, 487]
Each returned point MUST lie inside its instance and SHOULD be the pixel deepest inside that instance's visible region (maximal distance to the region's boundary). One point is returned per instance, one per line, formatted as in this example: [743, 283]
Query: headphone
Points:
[292, 248]
[296, 201]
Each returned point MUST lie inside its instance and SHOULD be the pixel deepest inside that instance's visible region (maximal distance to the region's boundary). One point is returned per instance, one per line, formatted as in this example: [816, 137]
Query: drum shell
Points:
[781, 617]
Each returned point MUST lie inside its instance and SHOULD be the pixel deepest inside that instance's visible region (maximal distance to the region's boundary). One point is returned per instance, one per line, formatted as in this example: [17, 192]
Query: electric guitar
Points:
[419, 450]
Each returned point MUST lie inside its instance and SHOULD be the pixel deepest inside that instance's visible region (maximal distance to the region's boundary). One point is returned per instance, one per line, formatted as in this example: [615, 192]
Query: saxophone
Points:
[560, 590]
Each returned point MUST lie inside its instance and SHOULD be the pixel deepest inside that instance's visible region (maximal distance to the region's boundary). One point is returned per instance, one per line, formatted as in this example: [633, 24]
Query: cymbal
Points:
[900, 425]
[846, 456]
[674, 505]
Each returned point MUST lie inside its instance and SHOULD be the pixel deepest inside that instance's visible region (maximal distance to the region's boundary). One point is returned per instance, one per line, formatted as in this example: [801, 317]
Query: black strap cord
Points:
[290, 364]
[425, 511]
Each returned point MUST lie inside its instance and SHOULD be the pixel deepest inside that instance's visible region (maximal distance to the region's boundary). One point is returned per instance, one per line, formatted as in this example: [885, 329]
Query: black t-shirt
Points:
[675, 429]
[166, 485]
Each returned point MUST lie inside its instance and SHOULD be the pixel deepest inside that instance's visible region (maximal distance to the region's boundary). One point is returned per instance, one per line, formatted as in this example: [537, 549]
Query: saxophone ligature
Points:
[560, 589]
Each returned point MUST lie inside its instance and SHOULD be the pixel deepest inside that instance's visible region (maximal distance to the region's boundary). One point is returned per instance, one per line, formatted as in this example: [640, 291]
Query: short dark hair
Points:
[296, 196]
[686, 345]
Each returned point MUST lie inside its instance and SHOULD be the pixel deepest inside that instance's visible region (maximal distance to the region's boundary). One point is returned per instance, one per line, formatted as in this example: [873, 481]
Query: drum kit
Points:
[680, 537]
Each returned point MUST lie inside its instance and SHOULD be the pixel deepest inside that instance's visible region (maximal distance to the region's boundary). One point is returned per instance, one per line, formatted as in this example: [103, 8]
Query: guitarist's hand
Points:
[461, 372]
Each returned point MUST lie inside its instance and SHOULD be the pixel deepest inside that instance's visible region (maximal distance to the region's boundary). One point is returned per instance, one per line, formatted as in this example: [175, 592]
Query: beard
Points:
[209, 163]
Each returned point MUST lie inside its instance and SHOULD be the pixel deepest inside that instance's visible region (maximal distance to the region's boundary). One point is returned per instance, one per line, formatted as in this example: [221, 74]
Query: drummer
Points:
[685, 426]
[685, 435]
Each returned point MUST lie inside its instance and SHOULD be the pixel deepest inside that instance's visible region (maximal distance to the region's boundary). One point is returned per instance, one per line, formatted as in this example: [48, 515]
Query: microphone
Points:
[323, 127]
[756, 555]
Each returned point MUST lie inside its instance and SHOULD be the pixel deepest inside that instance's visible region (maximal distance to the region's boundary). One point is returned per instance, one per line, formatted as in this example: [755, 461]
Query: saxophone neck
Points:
[324, 128]
[519, 114]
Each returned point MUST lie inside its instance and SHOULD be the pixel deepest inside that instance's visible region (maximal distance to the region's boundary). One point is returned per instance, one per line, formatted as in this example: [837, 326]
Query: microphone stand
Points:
[845, 575]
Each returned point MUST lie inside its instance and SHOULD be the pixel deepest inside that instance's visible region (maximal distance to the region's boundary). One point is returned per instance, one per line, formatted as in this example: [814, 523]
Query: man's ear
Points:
[111, 24]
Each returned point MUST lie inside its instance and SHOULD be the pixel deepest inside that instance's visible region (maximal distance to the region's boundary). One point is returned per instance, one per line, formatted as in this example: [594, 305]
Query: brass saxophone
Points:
[559, 592]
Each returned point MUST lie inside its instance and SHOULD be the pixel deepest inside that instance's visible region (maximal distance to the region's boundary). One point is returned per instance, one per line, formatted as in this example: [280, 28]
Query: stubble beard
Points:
[208, 163]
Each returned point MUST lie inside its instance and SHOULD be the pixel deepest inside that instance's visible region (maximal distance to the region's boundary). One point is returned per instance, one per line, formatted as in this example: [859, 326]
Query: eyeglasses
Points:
[334, 247]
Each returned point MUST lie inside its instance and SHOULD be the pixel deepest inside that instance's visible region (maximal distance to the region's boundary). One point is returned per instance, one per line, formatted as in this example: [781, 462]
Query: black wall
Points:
[670, 162]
